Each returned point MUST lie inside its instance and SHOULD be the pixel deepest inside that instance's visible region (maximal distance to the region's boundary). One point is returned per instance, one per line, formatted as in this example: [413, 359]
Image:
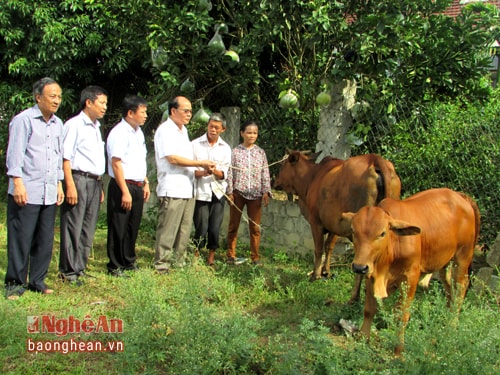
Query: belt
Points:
[86, 174]
[136, 183]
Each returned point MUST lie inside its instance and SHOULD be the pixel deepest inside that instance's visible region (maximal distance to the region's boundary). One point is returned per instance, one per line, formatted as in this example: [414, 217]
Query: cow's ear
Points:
[289, 151]
[294, 157]
[314, 156]
[347, 216]
[402, 228]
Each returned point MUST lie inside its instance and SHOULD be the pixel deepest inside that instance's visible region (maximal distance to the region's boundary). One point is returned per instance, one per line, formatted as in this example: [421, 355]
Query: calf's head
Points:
[373, 233]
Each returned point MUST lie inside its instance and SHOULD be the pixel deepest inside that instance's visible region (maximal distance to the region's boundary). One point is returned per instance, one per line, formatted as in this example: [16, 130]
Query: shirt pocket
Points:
[57, 145]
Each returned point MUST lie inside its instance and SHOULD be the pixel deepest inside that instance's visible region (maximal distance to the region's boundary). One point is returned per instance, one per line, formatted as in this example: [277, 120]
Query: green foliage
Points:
[456, 147]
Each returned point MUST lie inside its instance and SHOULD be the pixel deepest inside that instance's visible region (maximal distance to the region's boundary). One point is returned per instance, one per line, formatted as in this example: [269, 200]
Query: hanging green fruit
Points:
[201, 116]
[221, 28]
[159, 57]
[204, 5]
[323, 98]
[187, 86]
[216, 45]
[289, 99]
[233, 56]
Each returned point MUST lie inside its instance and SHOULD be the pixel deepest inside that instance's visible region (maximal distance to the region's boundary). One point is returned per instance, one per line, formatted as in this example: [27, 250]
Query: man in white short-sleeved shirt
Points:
[175, 173]
[128, 188]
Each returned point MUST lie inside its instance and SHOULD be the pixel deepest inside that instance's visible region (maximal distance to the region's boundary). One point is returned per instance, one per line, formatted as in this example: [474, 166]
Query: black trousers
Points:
[78, 225]
[207, 221]
[123, 226]
[30, 237]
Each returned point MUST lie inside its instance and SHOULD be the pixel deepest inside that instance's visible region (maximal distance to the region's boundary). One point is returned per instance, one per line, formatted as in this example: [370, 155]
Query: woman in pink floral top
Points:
[249, 183]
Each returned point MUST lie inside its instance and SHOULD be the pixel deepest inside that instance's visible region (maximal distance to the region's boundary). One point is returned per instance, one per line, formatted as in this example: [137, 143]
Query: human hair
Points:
[91, 93]
[132, 103]
[248, 123]
[39, 85]
[173, 104]
[219, 117]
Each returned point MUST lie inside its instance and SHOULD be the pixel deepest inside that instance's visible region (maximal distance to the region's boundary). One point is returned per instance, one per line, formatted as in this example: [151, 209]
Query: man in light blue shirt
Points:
[34, 167]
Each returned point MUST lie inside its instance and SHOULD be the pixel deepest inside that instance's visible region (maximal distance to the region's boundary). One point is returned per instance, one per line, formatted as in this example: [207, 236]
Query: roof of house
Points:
[457, 5]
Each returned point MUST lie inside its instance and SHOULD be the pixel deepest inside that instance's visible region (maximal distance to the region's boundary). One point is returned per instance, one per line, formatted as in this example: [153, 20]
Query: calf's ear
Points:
[402, 228]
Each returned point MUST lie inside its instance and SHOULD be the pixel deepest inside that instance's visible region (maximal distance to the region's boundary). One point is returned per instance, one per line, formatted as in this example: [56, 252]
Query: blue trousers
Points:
[30, 238]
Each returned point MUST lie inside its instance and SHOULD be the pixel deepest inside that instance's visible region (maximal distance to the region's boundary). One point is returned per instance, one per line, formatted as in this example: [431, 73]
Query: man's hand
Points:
[20, 194]
[71, 194]
[127, 201]
[147, 192]
[60, 194]
[208, 165]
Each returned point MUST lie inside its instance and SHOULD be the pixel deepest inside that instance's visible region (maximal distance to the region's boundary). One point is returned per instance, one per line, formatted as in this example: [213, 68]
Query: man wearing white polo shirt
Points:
[175, 172]
[83, 165]
[128, 188]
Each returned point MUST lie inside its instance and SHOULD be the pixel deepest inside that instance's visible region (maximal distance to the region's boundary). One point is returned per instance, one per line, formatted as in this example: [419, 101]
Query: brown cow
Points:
[396, 241]
[331, 187]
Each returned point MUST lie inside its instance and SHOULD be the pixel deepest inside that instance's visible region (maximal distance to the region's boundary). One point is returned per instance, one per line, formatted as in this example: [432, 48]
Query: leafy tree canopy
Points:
[405, 48]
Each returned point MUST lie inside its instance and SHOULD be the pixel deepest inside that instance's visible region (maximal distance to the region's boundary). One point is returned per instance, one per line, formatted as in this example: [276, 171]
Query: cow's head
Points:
[373, 233]
[292, 170]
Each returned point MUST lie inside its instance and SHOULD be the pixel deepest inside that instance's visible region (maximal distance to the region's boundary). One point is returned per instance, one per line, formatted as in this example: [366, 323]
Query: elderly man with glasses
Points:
[175, 166]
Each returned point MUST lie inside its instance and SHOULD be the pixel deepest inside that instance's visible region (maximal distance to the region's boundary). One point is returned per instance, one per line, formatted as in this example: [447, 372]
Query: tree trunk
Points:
[335, 121]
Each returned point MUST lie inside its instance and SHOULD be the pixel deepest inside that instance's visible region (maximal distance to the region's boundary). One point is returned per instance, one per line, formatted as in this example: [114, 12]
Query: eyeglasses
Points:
[185, 110]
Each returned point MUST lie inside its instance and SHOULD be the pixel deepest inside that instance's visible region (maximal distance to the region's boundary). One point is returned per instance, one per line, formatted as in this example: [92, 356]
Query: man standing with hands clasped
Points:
[128, 188]
[83, 164]
[211, 187]
[175, 171]
[34, 167]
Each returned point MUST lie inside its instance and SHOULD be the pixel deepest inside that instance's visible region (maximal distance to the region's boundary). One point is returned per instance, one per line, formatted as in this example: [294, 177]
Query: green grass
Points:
[242, 320]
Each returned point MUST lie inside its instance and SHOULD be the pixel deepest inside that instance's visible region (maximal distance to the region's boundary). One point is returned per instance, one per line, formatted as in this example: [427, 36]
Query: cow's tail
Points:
[388, 182]
[477, 214]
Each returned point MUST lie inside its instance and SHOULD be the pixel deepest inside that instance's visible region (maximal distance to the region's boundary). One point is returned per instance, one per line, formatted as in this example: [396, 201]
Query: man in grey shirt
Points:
[34, 167]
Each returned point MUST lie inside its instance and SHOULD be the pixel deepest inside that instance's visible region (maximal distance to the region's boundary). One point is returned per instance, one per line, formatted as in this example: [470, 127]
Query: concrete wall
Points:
[283, 228]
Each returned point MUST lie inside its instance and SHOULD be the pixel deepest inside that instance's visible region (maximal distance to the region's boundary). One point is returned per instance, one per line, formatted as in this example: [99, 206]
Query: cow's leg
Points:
[370, 309]
[319, 240]
[356, 288]
[463, 260]
[461, 278]
[329, 245]
[445, 277]
[407, 291]
[425, 281]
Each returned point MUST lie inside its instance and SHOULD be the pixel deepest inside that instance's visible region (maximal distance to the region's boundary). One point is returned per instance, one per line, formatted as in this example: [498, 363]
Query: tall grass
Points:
[243, 320]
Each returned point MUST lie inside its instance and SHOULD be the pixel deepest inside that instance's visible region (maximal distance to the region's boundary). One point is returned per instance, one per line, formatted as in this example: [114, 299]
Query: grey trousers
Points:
[175, 221]
[78, 224]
